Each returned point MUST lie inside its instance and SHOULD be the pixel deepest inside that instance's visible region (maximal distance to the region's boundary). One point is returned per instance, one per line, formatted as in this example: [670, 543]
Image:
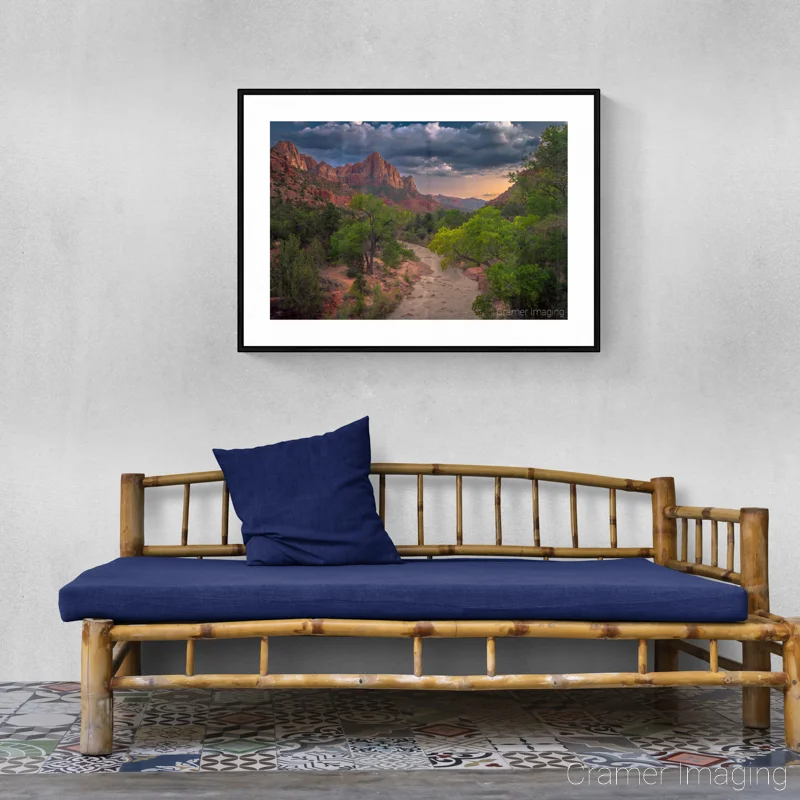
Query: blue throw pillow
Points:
[308, 501]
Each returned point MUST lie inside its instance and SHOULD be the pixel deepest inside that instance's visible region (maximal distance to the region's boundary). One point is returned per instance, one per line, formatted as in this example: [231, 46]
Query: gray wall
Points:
[118, 247]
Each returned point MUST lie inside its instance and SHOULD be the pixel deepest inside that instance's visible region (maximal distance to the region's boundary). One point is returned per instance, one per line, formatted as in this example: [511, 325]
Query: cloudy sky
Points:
[461, 159]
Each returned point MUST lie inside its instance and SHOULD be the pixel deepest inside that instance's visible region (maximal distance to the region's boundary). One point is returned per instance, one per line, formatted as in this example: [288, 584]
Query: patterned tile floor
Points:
[194, 730]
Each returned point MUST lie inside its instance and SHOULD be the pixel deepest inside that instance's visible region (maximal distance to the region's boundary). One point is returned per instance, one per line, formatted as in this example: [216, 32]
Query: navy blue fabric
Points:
[308, 501]
[187, 590]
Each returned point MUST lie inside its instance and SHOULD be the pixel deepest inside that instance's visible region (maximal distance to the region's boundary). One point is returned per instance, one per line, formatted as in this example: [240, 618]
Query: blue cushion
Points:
[308, 501]
[213, 590]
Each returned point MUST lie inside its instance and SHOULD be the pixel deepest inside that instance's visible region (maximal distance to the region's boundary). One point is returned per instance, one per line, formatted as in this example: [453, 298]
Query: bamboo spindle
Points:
[714, 543]
[642, 659]
[491, 659]
[753, 566]
[535, 497]
[264, 659]
[420, 521]
[417, 656]
[573, 513]
[612, 515]
[730, 551]
[698, 541]
[190, 656]
[713, 655]
[459, 511]
[225, 511]
[684, 540]
[498, 522]
[382, 498]
[97, 701]
[665, 548]
[185, 522]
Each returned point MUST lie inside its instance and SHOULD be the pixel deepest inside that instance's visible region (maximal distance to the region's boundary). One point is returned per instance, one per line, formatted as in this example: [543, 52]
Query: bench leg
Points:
[666, 656]
[755, 699]
[97, 701]
[791, 697]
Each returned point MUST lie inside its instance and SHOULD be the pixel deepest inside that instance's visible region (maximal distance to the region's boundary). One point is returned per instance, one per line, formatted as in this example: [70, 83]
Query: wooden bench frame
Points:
[110, 654]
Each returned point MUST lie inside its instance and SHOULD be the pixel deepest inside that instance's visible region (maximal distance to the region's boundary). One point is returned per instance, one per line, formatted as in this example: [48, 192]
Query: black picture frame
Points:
[594, 347]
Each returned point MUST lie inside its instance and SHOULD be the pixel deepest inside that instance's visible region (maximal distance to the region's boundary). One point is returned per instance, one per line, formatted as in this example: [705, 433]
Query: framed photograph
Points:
[419, 219]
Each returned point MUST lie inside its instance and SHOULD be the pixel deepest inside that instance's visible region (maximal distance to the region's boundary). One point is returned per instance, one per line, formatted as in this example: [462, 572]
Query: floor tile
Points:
[11, 700]
[167, 762]
[156, 740]
[251, 730]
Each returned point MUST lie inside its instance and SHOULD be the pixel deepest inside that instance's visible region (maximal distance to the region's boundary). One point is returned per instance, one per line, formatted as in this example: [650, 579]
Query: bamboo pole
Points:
[754, 567]
[97, 700]
[119, 656]
[459, 511]
[698, 541]
[185, 521]
[382, 498]
[131, 515]
[684, 540]
[642, 656]
[491, 656]
[263, 666]
[705, 655]
[469, 470]
[535, 499]
[755, 629]
[420, 520]
[183, 477]
[612, 516]
[791, 697]
[510, 550]
[769, 615]
[731, 548]
[190, 656]
[593, 680]
[714, 543]
[706, 570]
[417, 656]
[701, 512]
[194, 550]
[665, 541]
[713, 655]
[498, 521]
[226, 508]
[573, 513]
[665, 548]
[218, 550]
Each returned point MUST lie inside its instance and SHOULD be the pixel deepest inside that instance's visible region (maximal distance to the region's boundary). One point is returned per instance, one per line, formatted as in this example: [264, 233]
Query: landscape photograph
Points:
[418, 220]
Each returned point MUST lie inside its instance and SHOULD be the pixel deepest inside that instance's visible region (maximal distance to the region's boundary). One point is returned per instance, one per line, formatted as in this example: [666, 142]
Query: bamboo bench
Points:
[110, 654]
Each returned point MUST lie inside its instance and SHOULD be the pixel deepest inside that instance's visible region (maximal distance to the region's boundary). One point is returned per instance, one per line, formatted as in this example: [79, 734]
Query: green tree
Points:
[373, 211]
[452, 218]
[486, 238]
[349, 244]
[294, 279]
[545, 171]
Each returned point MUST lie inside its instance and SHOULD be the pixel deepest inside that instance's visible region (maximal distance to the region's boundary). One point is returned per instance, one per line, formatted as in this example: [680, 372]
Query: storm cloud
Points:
[422, 149]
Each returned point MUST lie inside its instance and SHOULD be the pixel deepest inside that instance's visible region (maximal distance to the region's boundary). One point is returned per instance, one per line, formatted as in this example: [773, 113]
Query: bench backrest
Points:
[667, 547]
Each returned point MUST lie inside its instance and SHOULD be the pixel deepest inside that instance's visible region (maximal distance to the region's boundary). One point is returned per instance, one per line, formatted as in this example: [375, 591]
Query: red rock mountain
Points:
[296, 176]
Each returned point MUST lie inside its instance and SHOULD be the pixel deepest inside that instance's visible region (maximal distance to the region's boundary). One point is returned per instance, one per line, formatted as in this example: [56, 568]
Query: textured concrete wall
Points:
[118, 253]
